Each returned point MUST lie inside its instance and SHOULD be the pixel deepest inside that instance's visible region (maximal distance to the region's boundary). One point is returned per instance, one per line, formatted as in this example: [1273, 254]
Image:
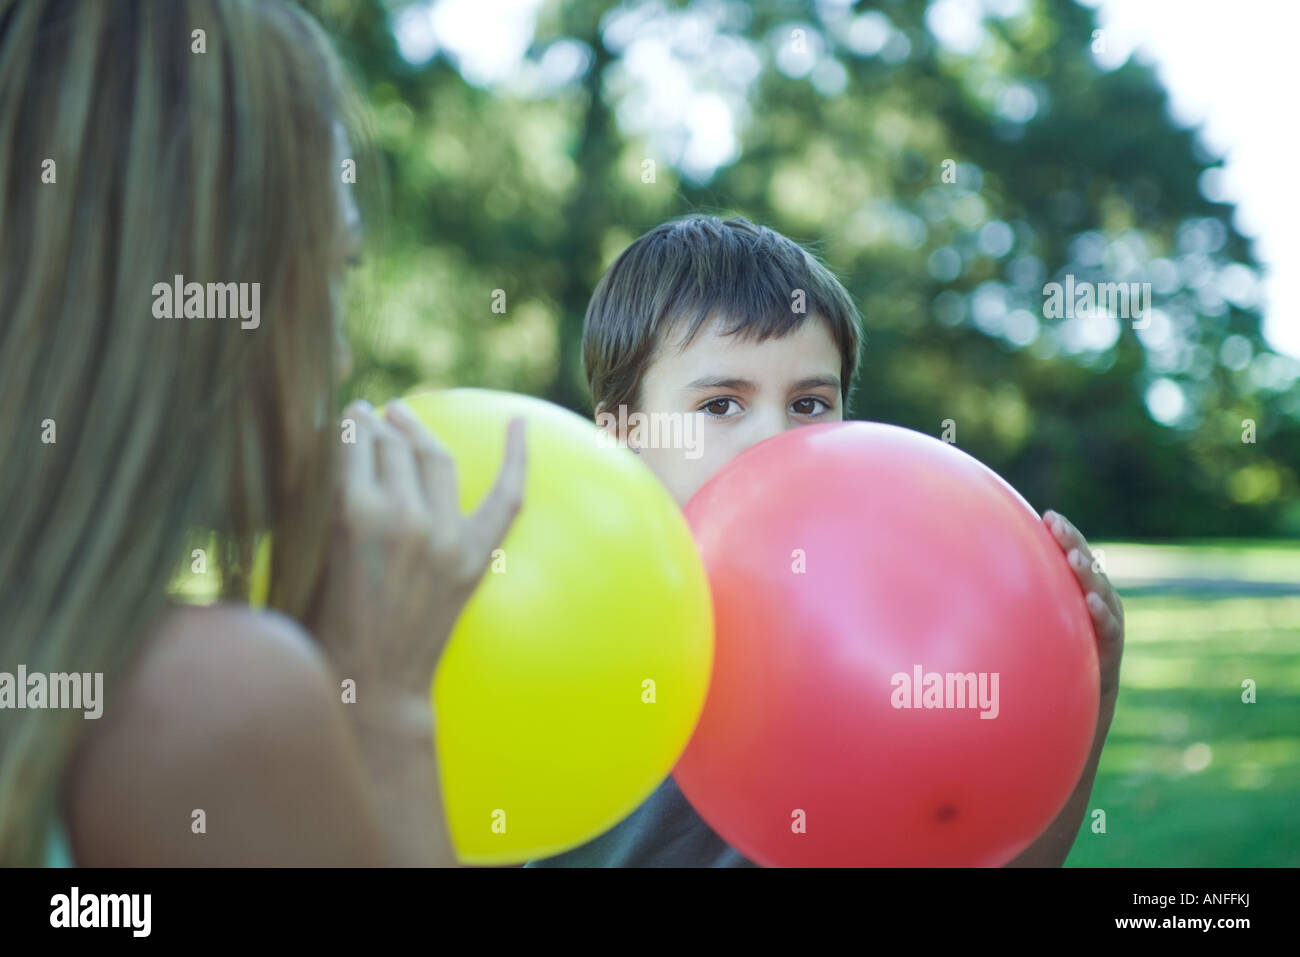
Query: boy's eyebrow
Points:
[721, 382]
[745, 385]
[817, 381]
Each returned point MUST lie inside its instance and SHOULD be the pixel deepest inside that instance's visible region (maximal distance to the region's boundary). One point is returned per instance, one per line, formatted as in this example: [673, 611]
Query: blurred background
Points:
[946, 159]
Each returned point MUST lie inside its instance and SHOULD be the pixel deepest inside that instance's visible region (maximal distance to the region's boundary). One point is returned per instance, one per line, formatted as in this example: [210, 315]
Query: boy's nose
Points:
[769, 424]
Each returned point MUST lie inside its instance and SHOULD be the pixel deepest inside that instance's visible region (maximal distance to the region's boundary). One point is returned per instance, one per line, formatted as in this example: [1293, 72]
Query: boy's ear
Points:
[608, 422]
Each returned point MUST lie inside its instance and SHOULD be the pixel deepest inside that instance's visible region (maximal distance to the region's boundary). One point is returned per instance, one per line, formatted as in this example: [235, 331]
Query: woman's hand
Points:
[403, 559]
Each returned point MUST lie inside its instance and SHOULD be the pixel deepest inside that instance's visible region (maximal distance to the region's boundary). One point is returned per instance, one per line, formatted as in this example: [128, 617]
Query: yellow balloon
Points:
[574, 678]
[577, 672]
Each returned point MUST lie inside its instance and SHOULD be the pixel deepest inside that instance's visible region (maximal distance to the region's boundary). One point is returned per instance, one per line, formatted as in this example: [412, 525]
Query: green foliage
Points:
[1058, 168]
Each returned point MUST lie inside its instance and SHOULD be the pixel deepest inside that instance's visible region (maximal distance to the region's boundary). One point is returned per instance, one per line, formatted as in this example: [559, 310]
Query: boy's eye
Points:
[717, 407]
[808, 405]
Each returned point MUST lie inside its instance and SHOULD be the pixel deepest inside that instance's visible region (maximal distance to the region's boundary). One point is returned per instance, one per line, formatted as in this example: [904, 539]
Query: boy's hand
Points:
[1053, 845]
[1103, 602]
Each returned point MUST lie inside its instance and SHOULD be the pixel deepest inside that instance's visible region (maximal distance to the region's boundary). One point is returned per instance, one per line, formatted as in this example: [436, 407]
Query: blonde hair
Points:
[218, 166]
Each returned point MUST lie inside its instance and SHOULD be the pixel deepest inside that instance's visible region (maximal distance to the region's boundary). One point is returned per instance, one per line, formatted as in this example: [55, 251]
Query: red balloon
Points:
[905, 670]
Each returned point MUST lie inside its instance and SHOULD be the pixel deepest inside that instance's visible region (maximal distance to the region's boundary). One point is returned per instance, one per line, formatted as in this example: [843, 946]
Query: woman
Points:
[142, 141]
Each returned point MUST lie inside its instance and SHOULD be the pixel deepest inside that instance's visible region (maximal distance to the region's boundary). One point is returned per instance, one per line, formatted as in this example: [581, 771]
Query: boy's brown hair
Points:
[689, 270]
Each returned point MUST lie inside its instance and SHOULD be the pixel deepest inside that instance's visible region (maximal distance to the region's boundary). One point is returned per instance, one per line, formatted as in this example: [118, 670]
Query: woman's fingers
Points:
[396, 468]
[436, 468]
[487, 527]
[409, 459]
[359, 462]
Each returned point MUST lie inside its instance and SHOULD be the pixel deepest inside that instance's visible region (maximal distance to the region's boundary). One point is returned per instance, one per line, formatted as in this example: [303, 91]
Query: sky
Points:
[1232, 69]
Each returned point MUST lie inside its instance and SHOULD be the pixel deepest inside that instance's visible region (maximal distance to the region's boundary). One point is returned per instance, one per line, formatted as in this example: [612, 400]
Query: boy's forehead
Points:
[712, 350]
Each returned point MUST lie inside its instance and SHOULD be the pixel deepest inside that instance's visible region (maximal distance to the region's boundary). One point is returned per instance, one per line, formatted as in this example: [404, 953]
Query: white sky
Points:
[1235, 67]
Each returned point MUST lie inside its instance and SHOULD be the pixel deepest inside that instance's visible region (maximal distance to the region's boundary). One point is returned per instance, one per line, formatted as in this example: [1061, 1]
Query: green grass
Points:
[1191, 775]
[1240, 561]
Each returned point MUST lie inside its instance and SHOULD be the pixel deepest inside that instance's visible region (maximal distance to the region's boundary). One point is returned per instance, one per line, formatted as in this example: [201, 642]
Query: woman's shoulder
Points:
[193, 647]
[207, 730]
[205, 664]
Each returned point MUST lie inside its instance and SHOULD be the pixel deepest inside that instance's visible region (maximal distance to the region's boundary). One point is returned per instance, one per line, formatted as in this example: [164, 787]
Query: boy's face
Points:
[739, 392]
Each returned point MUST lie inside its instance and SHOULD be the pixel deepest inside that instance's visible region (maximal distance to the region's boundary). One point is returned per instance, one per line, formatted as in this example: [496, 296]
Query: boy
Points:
[740, 326]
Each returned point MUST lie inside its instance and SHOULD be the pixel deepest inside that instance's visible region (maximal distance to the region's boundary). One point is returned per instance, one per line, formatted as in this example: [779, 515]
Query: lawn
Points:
[1191, 775]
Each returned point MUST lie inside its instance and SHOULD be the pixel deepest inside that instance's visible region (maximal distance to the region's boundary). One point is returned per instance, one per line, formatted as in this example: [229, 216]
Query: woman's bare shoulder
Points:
[225, 744]
[225, 649]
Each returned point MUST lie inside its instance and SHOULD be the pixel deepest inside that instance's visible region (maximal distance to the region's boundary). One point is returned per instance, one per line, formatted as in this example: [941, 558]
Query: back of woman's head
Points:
[142, 141]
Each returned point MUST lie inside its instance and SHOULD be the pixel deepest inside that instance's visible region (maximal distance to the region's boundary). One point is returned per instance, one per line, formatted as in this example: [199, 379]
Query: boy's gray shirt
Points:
[664, 831]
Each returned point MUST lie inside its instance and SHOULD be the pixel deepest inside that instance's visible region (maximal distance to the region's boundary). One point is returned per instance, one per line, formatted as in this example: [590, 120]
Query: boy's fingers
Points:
[1074, 544]
[1085, 567]
[1069, 539]
[1066, 535]
[1094, 581]
[1062, 533]
[1107, 624]
[1110, 639]
[488, 526]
